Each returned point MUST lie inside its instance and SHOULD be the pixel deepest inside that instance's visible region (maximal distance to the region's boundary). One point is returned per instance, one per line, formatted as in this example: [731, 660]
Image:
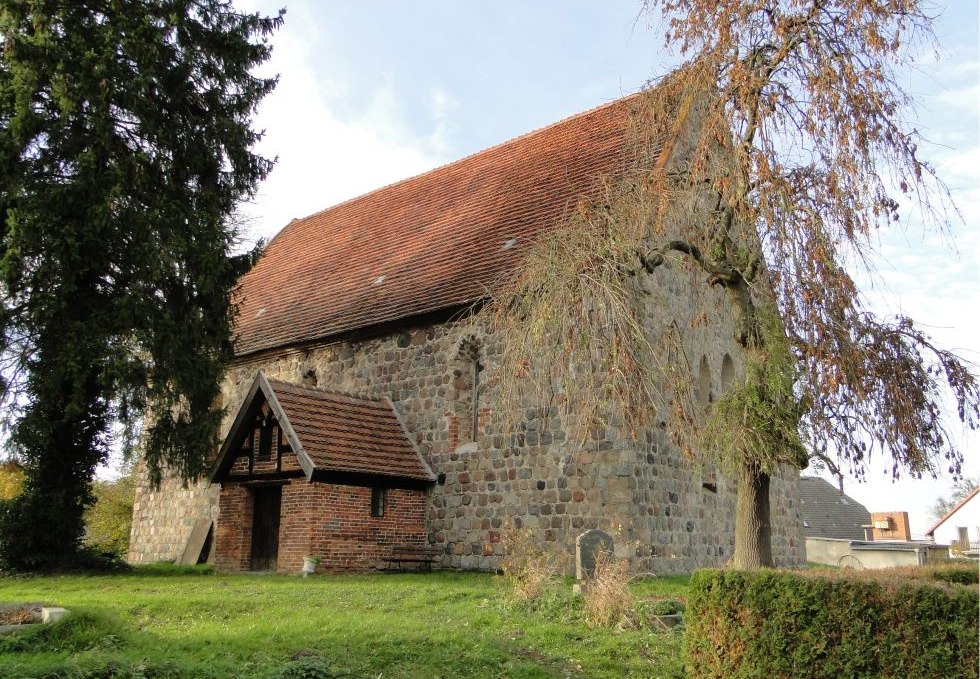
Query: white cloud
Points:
[324, 157]
[965, 97]
[440, 108]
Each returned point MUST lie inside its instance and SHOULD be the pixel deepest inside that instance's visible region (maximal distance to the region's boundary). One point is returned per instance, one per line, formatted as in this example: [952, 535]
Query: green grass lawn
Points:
[166, 623]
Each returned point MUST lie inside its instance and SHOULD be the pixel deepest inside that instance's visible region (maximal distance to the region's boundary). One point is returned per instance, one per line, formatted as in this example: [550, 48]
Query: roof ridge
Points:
[458, 161]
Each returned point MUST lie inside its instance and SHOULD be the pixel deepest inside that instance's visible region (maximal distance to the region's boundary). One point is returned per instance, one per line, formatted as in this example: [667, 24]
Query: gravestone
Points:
[587, 547]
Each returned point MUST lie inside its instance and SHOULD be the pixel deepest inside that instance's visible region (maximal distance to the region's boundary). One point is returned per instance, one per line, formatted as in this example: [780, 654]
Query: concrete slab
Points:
[53, 614]
[195, 543]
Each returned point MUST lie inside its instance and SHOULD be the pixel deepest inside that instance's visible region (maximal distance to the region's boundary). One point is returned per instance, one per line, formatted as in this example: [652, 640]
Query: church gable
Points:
[283, 430]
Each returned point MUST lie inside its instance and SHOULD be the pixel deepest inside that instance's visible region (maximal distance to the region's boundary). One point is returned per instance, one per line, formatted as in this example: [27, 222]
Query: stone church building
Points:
[361, 410]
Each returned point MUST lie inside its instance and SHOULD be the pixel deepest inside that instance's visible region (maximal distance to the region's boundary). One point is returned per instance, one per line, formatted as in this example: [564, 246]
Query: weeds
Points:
[608, 600]
[306, 667]
[527, 567]
[79, 631]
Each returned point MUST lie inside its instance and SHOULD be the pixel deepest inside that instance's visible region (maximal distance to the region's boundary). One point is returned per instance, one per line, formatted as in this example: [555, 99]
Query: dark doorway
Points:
[265, 528]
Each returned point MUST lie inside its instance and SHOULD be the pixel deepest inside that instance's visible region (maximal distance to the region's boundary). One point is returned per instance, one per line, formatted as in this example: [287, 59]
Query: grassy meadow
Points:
[167, 622]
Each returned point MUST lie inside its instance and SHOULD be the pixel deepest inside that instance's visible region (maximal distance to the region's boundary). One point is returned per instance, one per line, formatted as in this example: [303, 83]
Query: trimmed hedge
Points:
[776, 624]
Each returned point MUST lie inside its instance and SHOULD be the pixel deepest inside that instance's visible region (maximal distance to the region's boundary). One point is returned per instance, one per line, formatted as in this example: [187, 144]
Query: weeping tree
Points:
[761, 169]
[125, 146]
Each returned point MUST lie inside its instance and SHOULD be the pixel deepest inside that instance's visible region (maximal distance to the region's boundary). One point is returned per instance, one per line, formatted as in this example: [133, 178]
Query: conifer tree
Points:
[125, 146]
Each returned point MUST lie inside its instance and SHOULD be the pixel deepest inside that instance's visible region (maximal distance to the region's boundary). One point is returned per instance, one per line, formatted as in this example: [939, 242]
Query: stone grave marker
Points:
[587, 547]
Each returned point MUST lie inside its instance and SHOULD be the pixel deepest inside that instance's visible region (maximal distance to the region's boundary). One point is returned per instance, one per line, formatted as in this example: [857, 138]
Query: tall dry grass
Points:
[608, 600]
[527, 567]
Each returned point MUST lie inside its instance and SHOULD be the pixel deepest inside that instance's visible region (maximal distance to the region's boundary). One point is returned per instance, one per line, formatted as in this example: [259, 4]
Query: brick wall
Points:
[331, 521]
[233, 535]
[345, 535]
[890, 526]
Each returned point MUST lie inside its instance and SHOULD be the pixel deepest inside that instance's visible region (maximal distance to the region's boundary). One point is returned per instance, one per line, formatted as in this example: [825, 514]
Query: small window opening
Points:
[705, 395]
[467, 384]
[378, 502]
[265, 438]
[727, 373]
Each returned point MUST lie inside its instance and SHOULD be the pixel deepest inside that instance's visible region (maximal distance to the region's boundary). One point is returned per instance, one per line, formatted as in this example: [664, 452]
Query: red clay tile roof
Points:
[331, 433]
[342, 433]
[431, 242]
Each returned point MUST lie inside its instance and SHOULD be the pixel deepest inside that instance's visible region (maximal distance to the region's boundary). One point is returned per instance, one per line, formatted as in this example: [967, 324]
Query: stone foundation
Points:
[163, 519]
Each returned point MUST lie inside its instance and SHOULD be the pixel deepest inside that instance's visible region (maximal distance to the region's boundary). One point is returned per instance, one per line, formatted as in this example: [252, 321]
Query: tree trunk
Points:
[753, 532]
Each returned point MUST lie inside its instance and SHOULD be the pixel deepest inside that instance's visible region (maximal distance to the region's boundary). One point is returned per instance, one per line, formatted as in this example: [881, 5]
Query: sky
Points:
[373, 92]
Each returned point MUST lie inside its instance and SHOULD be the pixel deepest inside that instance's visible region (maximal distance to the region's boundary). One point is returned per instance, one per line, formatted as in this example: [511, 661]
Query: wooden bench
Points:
[422, 556]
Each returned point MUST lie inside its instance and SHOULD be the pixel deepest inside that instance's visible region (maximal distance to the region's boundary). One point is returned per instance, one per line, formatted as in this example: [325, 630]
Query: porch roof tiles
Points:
[349, 434]
[334, 436]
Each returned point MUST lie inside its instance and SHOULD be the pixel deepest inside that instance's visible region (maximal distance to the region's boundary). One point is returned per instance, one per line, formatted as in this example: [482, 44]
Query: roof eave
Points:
[287, 428]
[952, 511]
[430, 476]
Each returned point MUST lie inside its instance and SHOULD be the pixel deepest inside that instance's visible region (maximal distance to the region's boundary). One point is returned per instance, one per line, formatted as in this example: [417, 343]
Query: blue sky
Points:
[373, 92]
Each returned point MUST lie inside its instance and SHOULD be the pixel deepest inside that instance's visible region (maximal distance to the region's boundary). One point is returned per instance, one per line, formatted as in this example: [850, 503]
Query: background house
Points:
[960, 528]
[840, 531]
[829, 513]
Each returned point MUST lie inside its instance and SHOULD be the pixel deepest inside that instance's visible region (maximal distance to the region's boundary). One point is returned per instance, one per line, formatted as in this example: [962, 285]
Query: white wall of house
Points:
[966, 516]
[859, 554]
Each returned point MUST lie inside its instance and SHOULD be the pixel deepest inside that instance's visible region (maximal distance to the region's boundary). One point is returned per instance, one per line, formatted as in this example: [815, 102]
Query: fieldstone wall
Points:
[670, 513]
[163, 519]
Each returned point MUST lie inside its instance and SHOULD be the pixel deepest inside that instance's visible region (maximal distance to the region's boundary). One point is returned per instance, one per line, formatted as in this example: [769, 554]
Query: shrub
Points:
[109, 520]
[960, 574]
[20, 546]
[823, 625]
[527, 567]
[11, 479]
[608, 600]
[664, 607]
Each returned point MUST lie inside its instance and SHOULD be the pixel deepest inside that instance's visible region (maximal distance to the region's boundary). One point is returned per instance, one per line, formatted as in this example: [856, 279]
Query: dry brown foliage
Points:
[527, 566]
[764, 166]
[608, 600]
[809, 95]
[20, 614]
[572, 317]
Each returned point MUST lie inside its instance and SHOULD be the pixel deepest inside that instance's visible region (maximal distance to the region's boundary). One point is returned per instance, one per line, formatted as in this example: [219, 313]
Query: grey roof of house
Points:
[828, 513]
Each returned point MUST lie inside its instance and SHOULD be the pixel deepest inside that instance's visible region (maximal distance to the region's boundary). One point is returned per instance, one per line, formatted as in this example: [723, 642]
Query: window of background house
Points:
[377, 502]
